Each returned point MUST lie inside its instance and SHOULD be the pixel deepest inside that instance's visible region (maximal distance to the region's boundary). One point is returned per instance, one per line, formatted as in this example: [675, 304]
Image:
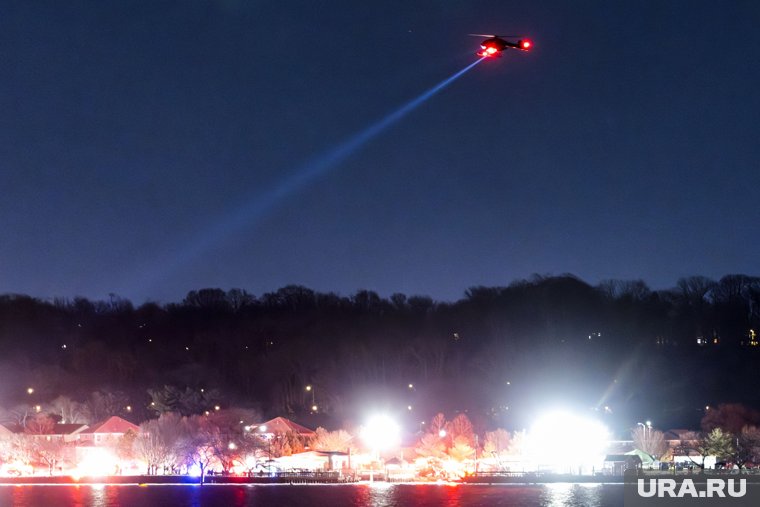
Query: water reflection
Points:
[98, 496]
[359, 495]
[571, 495]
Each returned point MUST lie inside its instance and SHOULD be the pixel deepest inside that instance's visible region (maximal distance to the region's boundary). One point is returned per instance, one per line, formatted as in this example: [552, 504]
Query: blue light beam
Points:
[256, 209]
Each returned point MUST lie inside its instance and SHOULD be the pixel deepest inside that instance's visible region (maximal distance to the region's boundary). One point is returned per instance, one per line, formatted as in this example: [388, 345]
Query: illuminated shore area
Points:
[324, 478]
[304, 478]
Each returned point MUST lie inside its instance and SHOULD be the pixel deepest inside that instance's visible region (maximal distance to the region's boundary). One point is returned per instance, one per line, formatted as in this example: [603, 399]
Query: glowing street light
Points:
[310, 389]
[29, 390]
[442, 433]
[380, 433]
[564, 440]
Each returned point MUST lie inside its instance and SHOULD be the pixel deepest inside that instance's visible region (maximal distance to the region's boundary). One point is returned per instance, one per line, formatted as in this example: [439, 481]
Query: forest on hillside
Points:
[498, 354]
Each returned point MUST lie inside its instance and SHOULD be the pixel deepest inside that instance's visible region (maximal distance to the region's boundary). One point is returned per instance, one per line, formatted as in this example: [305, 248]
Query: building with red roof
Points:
[281, 426]
[106, 432]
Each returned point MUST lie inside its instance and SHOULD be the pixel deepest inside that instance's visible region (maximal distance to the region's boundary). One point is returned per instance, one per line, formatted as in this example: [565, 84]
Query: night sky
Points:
[144, 145]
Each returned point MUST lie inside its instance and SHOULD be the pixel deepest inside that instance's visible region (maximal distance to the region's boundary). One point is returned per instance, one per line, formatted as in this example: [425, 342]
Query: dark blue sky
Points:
[133, 134]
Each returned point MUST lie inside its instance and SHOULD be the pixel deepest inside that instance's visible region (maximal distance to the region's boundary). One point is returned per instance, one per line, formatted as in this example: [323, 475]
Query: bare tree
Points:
[331, 440]
[431, 446]
[18, 415]
[747, 448]
[160, 442]
[438, 423]
[496, 442]
[150, 446]
[227, 436]
[39, 424]
[49, 451]
[461, 427]
[650, 440]
[70, 411]
[201, 443]
[103, 404]
[20, 448]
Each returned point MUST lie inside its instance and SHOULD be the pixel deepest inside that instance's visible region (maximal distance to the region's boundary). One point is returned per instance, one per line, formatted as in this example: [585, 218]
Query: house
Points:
[96, 447]
[65, 432]
[281, 426]
[107, 432]
[57, 432]
[676, 437]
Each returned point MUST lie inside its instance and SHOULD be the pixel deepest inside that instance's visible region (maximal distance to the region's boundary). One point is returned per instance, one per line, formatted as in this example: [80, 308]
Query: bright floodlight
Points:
[567, 442]
[380, 432]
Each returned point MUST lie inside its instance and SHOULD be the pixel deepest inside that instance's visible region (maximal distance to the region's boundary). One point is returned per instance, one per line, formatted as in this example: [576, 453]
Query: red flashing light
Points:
[526, 44]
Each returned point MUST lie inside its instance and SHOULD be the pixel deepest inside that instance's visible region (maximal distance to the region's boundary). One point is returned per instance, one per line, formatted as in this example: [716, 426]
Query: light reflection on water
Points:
[562, 494]
[359, 495]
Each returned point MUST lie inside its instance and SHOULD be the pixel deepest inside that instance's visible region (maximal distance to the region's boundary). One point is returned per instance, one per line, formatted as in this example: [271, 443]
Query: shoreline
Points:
[137, 480]
[473, 480]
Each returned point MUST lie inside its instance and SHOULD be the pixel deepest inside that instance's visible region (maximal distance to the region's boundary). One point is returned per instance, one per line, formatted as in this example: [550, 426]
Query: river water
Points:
[357, 495]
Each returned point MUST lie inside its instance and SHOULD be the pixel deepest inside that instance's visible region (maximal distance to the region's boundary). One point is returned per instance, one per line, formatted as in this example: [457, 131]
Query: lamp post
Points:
[647, 440]
[268, 438]
[310, 389]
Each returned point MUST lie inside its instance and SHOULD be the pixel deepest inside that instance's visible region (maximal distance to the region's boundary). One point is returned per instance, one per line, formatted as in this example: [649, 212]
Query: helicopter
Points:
[495, 44]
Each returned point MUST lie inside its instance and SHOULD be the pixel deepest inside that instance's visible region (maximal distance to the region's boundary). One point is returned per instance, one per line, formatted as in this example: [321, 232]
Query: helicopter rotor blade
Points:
[491, 35]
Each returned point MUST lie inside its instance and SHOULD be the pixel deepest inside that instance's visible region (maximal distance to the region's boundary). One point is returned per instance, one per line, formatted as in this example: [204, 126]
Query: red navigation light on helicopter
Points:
[494, 45]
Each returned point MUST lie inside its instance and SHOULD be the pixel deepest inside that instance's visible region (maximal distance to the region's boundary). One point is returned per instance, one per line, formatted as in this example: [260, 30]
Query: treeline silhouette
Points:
[499, 353]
